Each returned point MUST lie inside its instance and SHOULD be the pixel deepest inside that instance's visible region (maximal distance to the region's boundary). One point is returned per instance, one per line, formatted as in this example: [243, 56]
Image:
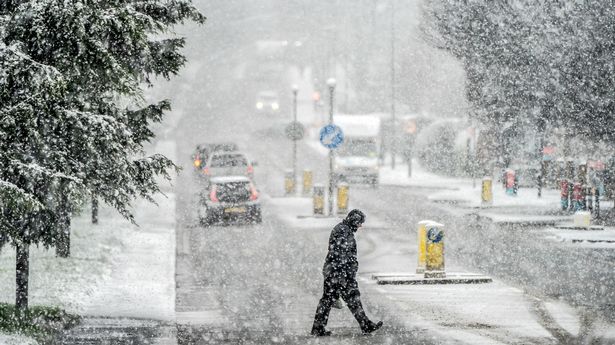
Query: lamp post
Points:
[295, 89]
[331, 85]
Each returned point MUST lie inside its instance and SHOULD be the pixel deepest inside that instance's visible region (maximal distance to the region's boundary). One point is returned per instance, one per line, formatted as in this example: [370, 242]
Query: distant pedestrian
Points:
[340, 271]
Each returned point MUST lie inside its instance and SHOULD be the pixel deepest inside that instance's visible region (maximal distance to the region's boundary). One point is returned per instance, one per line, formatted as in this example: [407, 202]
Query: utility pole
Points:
[331, 84]
[394, 129]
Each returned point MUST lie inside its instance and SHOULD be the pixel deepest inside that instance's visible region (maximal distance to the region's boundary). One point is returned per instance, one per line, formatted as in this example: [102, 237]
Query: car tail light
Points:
[253, 193]
[250, 169]
[206, 171]
[212, 195]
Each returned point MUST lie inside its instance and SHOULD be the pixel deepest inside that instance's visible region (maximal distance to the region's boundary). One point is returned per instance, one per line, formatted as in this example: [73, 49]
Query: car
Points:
[229, 198]
[223, 163]
[204, 151]
[267, 102]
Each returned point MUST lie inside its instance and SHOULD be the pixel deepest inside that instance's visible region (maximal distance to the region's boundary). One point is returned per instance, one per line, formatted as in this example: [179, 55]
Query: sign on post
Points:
[331, 136]
[294, 131]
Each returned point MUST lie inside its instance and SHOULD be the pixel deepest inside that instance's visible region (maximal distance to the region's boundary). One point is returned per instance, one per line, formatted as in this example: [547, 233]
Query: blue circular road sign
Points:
[331, 136]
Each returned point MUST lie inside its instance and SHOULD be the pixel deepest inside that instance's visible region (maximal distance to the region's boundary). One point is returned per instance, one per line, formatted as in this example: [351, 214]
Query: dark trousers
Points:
[334, 287]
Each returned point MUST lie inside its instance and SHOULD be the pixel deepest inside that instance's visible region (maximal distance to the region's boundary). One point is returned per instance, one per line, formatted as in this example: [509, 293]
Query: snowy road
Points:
[258, 283]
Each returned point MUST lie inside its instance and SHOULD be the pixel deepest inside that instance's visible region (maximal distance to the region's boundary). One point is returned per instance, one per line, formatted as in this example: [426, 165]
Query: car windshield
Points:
[268, 97]
[228, 160]
[364, 147]
[233, 191]
[225, 147]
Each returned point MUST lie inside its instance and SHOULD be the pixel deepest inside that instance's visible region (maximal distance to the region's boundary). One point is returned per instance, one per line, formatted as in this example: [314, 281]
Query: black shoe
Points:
[372, 327]
[320, 332]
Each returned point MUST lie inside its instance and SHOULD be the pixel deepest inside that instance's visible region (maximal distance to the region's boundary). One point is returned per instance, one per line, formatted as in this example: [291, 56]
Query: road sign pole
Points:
[295, 90]
[331, 83]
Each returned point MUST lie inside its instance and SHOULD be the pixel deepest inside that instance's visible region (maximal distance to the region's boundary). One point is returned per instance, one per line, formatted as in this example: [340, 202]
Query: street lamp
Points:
[295, 89]
[331, 85]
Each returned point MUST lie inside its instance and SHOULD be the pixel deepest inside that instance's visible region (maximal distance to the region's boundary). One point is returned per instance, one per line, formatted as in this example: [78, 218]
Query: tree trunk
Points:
[63, 241]
[21, 276]
[94, 210]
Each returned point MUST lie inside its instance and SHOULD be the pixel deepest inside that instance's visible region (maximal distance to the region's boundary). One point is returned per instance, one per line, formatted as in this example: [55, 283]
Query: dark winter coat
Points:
[342, 257]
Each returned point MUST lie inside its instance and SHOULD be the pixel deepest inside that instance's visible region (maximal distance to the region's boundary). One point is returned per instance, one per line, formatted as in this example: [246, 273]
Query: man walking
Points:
[340, 272]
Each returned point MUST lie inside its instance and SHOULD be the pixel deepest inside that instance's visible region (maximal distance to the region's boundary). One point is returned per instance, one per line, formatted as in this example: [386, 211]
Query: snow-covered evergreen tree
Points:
[72, 117]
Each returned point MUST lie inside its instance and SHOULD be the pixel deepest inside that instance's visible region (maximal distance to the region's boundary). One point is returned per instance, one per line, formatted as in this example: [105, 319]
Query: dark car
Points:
[203, 152]
[229, 198]
[228, 164]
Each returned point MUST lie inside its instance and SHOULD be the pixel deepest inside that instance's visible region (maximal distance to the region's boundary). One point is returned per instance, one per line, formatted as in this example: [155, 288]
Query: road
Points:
[263, 282]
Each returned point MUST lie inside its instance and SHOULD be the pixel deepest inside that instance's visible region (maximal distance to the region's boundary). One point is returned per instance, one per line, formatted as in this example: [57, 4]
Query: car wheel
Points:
[256, 216]
[204, 221]
[374, 183]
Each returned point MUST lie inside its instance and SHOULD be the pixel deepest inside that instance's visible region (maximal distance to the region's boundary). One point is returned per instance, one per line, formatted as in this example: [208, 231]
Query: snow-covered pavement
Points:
[471, 314]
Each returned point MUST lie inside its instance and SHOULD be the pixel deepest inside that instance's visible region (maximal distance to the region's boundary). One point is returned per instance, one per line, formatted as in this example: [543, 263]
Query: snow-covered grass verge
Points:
[16, 339]
[115, 268]
[38, 322]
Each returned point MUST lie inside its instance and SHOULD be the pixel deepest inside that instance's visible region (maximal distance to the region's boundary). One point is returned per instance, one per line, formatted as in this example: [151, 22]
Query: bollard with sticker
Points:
[342, 198]
[421, 239]
[434, 251]
[487, 191]
[318, 199]
[289, 182]
[307, 182]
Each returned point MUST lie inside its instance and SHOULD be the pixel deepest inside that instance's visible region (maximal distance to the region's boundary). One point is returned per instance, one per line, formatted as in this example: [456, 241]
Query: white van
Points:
[356, 160]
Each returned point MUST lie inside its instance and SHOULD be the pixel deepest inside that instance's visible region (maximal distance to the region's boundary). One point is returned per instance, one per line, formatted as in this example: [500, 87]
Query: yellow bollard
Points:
[487, 191]
[434, 248]
[421, 239]
[289, 182]
[342, 198]
[318, 199]
[307, 182]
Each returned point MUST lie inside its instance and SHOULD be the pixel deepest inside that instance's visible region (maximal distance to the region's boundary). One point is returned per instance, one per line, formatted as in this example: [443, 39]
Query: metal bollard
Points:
[570, 176]
[434, 251]
[589, 199]
[487, 191]
[307, 182]
[421, 239]
[588, 195]
[318, 199]
[342, 198]
[289, 182]
[597, 204]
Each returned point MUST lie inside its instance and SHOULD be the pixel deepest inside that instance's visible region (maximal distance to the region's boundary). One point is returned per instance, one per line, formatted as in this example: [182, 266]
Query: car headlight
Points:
[275, 106]
[259, 105]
